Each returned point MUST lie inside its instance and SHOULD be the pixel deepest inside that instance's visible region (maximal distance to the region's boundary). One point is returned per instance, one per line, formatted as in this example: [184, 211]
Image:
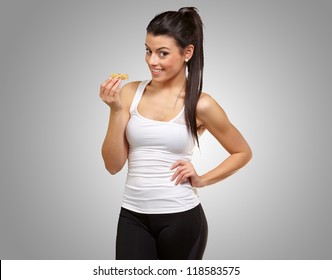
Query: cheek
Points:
[174, 63]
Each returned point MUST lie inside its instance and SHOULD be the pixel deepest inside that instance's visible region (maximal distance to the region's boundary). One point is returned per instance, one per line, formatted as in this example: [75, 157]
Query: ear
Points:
[188, 52]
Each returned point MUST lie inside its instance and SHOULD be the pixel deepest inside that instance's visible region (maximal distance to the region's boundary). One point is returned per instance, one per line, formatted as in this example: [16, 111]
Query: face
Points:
[164, 58]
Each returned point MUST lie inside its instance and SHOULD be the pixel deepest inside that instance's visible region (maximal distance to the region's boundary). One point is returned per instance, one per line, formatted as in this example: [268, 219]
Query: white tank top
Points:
[153, 147]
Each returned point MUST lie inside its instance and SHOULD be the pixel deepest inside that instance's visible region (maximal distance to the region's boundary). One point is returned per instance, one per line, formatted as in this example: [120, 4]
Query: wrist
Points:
[116, 111]
[201, 183]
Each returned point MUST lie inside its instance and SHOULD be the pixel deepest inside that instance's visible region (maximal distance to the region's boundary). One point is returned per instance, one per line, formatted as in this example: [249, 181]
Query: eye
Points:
[163, 54]
[148, 51]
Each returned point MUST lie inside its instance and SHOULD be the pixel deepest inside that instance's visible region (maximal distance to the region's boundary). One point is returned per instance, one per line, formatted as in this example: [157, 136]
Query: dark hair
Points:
[186, 27]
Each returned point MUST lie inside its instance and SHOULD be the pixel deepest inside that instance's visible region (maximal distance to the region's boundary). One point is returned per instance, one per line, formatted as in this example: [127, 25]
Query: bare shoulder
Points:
[208, 110]
[130, 88]
[128, 91]
[206, 103]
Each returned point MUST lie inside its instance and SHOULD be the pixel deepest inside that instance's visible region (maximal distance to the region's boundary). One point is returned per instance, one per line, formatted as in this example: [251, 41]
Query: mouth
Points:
[156, 71]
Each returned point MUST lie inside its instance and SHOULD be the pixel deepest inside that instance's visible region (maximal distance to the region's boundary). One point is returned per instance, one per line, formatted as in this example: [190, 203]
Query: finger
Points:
[182, 178]
[177, 172]
[105, 83]
[175, 164]
[178, 163]
[180, 173]
[104, 92]
[110, 87]
[113, 85]
[117, 86]
[110, 84]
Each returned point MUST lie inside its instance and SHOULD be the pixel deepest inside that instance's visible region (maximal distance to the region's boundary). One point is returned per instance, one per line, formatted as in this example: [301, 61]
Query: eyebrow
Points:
[158, 48]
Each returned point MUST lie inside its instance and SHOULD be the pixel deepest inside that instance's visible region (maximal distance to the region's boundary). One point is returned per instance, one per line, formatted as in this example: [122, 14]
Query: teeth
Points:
[156, 70]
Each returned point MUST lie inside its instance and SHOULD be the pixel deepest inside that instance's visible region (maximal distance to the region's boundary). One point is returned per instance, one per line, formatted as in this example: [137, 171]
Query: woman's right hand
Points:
[110, 93]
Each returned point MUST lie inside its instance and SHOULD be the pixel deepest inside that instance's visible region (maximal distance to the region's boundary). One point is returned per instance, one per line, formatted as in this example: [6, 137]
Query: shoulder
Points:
[206, 103]
[208, 109]
[130, 88]
[128, 91]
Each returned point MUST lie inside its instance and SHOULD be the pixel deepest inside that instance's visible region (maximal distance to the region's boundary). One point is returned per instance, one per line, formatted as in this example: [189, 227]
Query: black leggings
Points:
[175, 236]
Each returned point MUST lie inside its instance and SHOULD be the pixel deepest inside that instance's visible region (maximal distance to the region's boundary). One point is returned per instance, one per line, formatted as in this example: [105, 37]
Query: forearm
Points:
[115, 147]
[228, 167]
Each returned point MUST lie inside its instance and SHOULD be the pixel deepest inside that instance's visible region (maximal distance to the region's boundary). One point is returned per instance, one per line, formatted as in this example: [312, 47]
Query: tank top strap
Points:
[138, 95]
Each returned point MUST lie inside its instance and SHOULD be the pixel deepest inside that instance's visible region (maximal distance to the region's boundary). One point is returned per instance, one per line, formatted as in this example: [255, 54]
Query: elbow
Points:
[245, 157]
[111, 166]
[249, 155]
[112, 172]
[112, 169]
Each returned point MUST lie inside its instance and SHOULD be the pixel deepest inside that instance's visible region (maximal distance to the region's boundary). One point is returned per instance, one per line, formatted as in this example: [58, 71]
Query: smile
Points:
[156, 70]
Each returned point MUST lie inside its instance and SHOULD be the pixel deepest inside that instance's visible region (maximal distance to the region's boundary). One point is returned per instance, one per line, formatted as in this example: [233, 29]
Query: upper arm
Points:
[115, 147]
[212, 117]
[127, 94]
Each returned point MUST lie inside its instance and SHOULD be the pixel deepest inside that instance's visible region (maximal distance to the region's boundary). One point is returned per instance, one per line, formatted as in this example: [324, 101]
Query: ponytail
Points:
[186, 27]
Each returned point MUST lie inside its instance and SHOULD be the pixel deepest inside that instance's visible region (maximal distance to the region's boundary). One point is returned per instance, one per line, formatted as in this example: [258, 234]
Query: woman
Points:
[155, 124]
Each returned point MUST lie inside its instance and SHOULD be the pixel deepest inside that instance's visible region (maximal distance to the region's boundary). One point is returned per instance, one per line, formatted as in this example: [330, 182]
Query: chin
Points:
[158, 79]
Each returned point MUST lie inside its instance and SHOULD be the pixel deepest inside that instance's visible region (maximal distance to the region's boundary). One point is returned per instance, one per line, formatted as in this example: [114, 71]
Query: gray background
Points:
[268, 63]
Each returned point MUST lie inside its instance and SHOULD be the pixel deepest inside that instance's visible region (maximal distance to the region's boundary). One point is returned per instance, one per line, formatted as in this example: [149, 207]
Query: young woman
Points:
[155, 125]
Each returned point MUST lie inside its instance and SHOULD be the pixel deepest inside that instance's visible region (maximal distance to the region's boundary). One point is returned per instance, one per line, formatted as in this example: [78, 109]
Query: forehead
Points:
[160, 41]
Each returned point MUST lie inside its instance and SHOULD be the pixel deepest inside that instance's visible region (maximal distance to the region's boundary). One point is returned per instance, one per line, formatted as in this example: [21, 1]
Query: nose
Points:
[153, 59]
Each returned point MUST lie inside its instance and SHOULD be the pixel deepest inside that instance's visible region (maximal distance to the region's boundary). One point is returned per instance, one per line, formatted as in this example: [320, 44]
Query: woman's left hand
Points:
[185, 171]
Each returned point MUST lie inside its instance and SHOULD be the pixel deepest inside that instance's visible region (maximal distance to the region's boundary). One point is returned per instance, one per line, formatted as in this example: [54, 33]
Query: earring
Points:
[186, 60]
